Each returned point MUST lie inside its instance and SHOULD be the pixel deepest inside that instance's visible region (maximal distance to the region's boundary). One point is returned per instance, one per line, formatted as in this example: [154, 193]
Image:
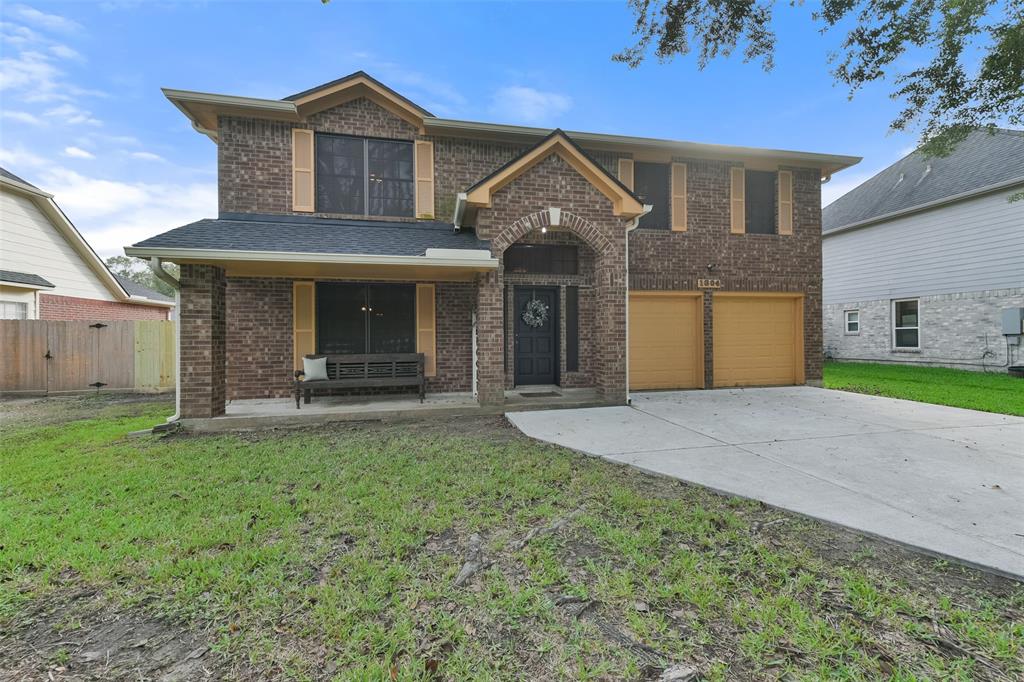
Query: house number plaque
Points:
[709, 284]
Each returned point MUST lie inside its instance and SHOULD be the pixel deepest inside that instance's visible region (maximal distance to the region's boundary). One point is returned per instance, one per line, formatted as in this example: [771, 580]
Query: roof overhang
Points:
[963, 196]
[203, 108]
[24, 285]
[624, 203]
[435, 264]
[828, 163]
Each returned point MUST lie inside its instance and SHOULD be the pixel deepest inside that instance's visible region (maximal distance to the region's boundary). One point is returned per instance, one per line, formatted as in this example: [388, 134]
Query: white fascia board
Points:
[142, 300]
[885, 217]
[24, 188]
[301, 257]
[23, 285]
[215, 99]
[468, 255]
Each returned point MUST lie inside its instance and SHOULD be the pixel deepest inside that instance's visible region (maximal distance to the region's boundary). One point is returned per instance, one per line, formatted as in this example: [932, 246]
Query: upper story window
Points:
[651, 183]
[364, 176]
[760, 202]
[543, 259]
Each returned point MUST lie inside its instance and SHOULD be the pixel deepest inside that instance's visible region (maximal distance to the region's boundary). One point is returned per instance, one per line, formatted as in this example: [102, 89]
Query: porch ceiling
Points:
[425, 272]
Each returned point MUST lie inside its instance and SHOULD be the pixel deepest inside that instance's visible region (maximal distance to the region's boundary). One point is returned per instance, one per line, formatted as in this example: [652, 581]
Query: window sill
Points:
[905, 350]
[851, 333]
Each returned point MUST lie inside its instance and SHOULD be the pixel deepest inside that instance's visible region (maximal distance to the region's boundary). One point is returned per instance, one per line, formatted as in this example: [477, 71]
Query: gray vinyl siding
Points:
[973, 245]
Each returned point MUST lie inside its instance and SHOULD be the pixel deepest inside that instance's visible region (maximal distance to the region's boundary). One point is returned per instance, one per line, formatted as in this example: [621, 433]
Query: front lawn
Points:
[336, 552]
[986, 391]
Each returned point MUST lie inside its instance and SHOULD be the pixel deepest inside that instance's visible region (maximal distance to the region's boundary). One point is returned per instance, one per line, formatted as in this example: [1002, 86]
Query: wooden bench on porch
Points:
[373, 370]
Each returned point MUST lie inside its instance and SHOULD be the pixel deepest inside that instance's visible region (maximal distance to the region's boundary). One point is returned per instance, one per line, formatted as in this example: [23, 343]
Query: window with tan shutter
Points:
[785, 202]
[626, 173]
[303, 320]
[737, 203]
[303, 181]
[426, 327]
[424, 179]
[679, 197]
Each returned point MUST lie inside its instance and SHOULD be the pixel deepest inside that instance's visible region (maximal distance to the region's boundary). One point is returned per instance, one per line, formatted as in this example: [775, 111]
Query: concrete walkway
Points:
[943, 480]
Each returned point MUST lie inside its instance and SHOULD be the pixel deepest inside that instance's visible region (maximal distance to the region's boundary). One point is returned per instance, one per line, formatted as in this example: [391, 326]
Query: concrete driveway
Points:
[940, 479]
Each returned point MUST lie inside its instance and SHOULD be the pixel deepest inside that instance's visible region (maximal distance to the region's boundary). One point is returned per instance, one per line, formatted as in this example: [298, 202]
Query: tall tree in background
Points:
[137, 271]
[974, 75]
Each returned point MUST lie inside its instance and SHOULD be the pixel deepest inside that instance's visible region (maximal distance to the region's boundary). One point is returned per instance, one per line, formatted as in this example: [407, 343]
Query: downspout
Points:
[156, 265]
[630, 226]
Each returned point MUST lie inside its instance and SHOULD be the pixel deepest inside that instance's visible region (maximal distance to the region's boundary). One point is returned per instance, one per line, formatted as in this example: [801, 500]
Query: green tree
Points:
[972, 76]
[138, 271]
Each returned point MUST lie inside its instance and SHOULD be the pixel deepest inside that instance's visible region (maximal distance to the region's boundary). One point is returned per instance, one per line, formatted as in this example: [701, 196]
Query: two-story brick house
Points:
[354, 221]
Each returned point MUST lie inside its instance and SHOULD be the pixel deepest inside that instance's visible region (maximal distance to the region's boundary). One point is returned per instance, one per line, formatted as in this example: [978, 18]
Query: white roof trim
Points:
[479, 258]
[952, 199]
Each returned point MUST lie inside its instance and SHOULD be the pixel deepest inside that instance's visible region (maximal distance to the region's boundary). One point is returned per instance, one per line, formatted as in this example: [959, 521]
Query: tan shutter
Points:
[737, 194]
[679, 197]
[785, 202]
[626, 173]
[303, 320]
[426, 327]
[424, 179]
[302, 170]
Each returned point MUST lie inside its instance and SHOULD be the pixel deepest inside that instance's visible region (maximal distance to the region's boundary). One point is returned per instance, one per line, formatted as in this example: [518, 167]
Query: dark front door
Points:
[536, 315]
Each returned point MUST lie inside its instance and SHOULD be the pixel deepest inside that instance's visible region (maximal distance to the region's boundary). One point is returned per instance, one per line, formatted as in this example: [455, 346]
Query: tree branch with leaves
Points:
[974, 50]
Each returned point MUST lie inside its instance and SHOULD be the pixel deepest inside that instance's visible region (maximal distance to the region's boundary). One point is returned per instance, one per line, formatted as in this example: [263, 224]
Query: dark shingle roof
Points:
[982, 160]
[136, 289]
[301, 234]
[11, 176]
[23, 278]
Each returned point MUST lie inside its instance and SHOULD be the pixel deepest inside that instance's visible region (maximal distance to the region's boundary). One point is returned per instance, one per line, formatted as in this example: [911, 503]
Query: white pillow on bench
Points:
[315, 369]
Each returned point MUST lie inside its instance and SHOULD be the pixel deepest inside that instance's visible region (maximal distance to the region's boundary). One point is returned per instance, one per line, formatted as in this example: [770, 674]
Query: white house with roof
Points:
[48, 271]
[924, 262]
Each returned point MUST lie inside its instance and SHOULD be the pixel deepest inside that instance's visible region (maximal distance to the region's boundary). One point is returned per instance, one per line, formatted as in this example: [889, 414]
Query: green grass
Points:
[989, 392]
[300, 549]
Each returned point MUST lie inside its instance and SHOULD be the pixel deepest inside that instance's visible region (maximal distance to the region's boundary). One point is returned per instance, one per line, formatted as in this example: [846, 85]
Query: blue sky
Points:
[83, 116]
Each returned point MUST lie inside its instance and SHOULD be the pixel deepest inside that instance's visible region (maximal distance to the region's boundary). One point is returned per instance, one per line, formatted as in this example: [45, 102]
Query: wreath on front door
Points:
[535, 313]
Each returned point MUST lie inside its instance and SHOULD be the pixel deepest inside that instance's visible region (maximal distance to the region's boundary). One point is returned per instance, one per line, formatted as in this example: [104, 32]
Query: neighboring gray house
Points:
[920, 261]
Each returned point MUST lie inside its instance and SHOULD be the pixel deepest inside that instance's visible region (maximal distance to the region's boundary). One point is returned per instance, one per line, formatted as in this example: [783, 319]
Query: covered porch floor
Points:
[262, 413]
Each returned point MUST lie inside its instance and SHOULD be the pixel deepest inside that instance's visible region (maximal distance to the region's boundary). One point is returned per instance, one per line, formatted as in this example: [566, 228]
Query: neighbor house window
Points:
[651, 183]
[13, 310]
[853, 322]
[364, 176]
[365, 318]
[542, 259]
[760, 202]
[906, 324]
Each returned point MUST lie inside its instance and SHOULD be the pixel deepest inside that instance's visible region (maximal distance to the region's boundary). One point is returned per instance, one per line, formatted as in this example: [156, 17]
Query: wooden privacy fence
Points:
[44, 356]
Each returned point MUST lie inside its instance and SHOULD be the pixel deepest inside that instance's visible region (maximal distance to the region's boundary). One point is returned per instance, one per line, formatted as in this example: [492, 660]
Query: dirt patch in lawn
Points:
[74, 633]
[26, 412]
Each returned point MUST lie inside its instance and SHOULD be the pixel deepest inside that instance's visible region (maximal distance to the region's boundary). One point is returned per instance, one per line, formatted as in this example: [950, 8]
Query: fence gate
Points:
[50, 356]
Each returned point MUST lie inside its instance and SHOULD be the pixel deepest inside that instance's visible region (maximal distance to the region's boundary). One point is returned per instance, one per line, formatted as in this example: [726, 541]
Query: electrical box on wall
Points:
[1013, 321]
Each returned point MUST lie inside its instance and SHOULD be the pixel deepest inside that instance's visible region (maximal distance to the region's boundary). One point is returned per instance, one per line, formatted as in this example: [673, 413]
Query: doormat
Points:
[541, 394]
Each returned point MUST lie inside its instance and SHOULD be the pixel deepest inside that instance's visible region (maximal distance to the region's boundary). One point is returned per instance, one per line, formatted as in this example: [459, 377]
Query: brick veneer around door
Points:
[203, 338]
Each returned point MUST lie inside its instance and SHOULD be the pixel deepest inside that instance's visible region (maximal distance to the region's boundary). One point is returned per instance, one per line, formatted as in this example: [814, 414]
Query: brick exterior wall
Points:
[53, 307]
[260, 343]
[962, 330]
[664, 260]
[203, 337]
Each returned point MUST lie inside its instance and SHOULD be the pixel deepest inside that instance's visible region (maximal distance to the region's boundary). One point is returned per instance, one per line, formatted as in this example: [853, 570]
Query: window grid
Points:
[852, 319]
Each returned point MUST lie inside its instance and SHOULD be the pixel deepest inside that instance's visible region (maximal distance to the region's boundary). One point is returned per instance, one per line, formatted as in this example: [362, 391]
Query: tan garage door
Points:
[666, 340]
[758, 340]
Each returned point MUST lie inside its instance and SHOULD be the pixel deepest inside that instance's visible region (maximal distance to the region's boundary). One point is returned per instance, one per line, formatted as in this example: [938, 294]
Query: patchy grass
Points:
[333, 553]
[986, 391]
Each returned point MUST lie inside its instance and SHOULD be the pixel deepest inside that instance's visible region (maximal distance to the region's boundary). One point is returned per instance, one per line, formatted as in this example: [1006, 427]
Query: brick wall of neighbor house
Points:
[962, 330]
[552, 182]
[53, 307]
[663, 260]
[203, 338]
[259, 338]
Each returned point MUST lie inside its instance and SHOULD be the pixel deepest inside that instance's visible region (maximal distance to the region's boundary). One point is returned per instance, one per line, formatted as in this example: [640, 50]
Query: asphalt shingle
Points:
[982, 160]
[136, 289]
[300, 234]
[24, 278]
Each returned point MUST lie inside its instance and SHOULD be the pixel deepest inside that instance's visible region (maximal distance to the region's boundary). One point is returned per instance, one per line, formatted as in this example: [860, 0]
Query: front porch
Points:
[281, 412]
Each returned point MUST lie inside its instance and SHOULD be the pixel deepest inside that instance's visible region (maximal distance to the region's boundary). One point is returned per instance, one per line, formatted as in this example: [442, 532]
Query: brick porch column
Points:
[490, 340]
[203, 334]
[610, 298]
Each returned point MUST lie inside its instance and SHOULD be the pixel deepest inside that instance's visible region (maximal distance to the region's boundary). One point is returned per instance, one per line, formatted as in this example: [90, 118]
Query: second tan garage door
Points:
[666, 340]
[758, 340]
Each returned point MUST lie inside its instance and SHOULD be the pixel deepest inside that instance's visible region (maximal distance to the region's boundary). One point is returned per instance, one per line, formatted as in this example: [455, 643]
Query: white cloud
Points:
[64, 52]
[22, 117]
[528, 105]
[77, 153]
[29, 69]
[20, 158]
[72, 115]
[147, 156]
[51, 22]
[112, 214]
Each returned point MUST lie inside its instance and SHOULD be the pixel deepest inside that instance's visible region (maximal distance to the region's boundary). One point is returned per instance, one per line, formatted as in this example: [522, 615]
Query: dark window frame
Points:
[369, 337]
[660, 217]
[366, 175]
[542, 259]
[767, 184]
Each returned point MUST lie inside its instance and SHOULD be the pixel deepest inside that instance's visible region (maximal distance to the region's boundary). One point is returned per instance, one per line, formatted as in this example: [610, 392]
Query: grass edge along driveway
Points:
[337, 550]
